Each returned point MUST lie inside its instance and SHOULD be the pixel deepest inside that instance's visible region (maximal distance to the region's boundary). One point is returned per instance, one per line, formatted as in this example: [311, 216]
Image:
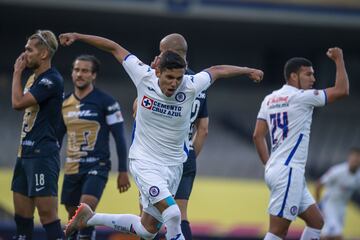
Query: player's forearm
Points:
[342, 80]
[199, 140]
[261, 148]
[16, 91]
[104, 44]
[227, 71]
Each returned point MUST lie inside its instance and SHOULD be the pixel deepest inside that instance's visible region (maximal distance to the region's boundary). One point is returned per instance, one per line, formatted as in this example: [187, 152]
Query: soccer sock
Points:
[270, 236]
[24, 227]
[53, 230]
[172, 221]
[121, 222]
[186, 230]
[310, 234]
[87, 233]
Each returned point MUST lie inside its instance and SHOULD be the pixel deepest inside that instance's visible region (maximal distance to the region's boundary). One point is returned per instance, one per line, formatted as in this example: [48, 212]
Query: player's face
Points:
[82, 74]
[354, 161]
[170, 80]
[306, 77]
[33, 54]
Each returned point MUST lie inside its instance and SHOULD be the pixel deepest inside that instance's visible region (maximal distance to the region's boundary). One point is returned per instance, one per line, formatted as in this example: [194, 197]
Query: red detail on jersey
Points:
[147, 102]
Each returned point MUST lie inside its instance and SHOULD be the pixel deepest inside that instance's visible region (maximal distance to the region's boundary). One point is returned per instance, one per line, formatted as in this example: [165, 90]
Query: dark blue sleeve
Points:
[61, 130]
[203, 112]
[44, 89]
[117, 131]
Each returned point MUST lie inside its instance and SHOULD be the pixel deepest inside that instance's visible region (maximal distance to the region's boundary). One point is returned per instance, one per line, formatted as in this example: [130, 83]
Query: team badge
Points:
[293, 210]
[147, 102]
[46, 82]
[180, 97]
[154, 191]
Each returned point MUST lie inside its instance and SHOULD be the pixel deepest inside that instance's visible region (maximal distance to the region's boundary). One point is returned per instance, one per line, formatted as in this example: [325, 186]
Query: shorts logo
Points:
[154, 191]
[180, 97]
[147, 102]
[293, 210]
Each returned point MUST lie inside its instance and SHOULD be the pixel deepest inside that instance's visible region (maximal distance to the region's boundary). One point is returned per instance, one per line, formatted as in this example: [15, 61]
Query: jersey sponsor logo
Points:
[180, 97]
[83, 113]
[113, 107]
[294, 210]
[28, 143]
[46, 82]
[154, 191]
[161, 108]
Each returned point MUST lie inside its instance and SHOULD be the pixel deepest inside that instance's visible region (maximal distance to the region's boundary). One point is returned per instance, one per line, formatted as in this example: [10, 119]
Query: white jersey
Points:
[288, 113]
[162, 123]
[340, 184]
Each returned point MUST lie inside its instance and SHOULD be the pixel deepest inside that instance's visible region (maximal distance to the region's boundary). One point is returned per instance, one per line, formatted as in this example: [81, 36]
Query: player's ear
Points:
[293, 76]
[157, 72]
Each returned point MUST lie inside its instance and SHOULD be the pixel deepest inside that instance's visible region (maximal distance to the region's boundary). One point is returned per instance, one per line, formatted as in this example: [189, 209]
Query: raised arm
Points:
[66, 39]
[259, 138]
[227, 71]
[341, 87]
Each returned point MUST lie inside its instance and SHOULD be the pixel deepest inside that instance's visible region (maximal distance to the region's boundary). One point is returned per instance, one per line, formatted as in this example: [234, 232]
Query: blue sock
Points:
[53, 230]
[186, 230]
[87, 233]
[24, 227]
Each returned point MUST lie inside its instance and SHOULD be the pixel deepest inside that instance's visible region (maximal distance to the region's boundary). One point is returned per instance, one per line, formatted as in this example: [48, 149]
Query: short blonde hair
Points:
[48, 39]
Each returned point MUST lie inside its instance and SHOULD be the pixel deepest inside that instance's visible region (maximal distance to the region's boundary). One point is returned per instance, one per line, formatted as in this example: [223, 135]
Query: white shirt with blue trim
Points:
[288, 113]
[162, 123]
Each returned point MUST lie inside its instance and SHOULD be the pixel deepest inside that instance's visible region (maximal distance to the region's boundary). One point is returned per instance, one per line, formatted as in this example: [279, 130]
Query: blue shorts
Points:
[35, 177]
[188, 177]
[91, 183]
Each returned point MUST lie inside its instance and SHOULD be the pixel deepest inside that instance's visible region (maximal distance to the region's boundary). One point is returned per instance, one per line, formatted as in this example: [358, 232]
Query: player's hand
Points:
[335, 53]
[20, 63]
[256, 75]
[123, 182]
[66, 39]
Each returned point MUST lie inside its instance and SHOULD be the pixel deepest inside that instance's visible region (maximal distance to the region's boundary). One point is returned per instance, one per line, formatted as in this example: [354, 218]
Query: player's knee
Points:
[173, 214]
[146, 233]
[47, 215]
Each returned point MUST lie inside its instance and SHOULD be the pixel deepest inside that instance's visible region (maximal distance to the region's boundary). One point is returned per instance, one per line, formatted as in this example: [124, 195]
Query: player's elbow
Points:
[17, 106]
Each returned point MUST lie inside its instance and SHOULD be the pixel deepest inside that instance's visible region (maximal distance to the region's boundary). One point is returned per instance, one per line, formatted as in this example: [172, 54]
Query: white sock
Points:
[172, 221]
[270, 236]
[310, 234]
[121, 222]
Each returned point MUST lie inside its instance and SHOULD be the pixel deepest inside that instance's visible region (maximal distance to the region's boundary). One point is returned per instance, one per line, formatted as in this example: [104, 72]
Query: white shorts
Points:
[155, 183]
[333, 217]
[289, 195]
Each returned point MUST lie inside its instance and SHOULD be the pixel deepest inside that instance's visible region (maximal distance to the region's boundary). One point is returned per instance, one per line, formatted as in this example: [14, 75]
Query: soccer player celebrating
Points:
[160, 145]
[35, 179]
[340, 183]
[88, 116]
[197, 134]
[287, 114]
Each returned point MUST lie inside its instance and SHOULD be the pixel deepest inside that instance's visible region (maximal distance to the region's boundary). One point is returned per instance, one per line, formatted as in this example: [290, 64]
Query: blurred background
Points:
[230, 199]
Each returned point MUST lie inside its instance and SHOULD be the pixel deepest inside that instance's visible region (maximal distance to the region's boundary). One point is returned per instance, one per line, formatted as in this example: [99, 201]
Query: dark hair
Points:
[294, 64]
[90, 58]
[355, 150]
[171, 60]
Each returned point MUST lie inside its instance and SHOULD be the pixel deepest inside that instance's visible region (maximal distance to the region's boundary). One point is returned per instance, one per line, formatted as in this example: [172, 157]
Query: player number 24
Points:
[279, 121]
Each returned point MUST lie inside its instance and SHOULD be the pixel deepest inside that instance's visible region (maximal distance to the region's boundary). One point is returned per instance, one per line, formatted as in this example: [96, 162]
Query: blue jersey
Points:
[199, 110]
[38, 133]
[87, 123]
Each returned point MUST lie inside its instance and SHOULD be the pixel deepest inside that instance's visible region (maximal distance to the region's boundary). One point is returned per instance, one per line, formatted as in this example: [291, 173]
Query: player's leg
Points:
[285, 184]
[92, 191]
[24, 206]
[333, 215]
[310, 213]
[183, 194]
[71, 194]
[43, 188]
